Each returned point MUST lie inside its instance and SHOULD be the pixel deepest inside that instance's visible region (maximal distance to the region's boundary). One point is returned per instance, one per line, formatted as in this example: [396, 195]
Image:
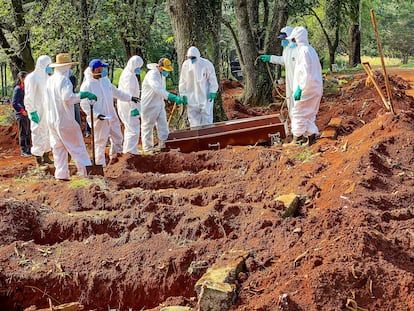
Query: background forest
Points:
[340, 30]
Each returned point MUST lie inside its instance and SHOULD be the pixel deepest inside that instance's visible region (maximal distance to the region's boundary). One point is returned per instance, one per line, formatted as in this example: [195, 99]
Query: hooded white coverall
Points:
[288, 59]
[153, 108]
[35, 101]
[197, 81]
[307, 75]
[109, 128]
[128, 83]
[65, 133]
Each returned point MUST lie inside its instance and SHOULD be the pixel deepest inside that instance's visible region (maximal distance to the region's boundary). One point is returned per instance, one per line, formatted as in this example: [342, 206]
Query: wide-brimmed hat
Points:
[63, 59]
[165, 64]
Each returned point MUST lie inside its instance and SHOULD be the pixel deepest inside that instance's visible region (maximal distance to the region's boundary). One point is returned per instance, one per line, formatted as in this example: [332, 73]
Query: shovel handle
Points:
[171, 114]
[91, 102]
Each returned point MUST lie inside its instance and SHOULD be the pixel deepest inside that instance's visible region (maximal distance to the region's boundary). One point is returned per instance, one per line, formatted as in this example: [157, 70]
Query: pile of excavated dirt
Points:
[141, 237]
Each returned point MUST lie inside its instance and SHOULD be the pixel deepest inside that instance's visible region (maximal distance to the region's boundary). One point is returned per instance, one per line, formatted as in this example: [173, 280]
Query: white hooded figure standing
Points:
[36, 106]
[198, 82]
[129, 113]
[65, 133]
[106, 122]
[288, 60]
[307, 88]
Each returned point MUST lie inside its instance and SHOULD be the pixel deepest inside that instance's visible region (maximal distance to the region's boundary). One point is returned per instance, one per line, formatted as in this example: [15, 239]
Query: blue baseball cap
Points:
[96, 63]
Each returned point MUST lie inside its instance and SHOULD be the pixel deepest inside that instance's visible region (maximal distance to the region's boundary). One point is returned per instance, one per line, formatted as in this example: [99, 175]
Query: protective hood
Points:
[134, 62]
[42, 62]
[300, 34]
[287, 30]
[152, 66]
[193, 52]
[87, 74]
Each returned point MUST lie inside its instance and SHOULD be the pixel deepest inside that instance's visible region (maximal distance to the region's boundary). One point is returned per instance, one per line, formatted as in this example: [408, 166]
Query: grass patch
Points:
[407, 65]
[305, 155]
[81, 182]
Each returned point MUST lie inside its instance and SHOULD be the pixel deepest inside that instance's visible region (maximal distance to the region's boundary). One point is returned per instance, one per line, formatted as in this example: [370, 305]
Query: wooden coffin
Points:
[242, 132]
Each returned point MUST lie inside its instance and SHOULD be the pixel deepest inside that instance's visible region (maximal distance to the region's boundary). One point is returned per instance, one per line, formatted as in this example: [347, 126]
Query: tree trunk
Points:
[354, 46]
[279, 20]
[20, 58]
[354, 34]
[84, 39]
[257, 89]
[332, 45]
[197, 23]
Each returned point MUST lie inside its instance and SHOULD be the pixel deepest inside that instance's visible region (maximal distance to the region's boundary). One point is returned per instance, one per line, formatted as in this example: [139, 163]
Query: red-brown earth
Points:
[127, 241]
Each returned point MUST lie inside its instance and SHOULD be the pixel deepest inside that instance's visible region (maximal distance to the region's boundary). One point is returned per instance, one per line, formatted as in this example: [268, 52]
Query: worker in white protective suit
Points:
[288, 59]
[106, 122]
[36, 106]
[65, 133]
[153, 106]
[307, 89]
[198, 83]
[129, 114]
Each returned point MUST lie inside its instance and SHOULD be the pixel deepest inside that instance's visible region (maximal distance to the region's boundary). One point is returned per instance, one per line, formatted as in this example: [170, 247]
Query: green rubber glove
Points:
[88, 95]
[184, 100]
[35, 117]
[174, 98]
[134, 112]
[298, 93]
[212, 96]
[265, 58]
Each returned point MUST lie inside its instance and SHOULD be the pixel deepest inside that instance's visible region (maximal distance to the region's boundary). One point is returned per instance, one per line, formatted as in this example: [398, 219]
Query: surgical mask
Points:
[104, 73]
[193, 60]
[165, 73]
[293, 45]
[48, 70]
[285, 43]
[137, 71]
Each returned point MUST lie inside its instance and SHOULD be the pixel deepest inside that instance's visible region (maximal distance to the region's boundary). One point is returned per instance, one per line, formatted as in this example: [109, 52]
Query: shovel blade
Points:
[95, 170]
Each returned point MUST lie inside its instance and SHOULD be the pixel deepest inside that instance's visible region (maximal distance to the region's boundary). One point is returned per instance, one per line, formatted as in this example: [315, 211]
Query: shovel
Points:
[94, 169]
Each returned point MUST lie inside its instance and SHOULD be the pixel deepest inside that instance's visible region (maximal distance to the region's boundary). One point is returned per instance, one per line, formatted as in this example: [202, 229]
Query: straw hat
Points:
[63, 59]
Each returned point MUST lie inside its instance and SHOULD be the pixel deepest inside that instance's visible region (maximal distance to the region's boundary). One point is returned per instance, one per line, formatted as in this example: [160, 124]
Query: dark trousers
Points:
[23, 122]
[77, 114]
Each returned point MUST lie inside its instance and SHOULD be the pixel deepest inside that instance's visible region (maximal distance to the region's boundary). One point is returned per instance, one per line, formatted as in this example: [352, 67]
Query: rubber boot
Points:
[39, 160]
[296, 141]
[310, 140]
[46, 158]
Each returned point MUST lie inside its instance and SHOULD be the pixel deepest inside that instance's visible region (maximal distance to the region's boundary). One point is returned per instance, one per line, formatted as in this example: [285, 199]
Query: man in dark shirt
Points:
[23, 121]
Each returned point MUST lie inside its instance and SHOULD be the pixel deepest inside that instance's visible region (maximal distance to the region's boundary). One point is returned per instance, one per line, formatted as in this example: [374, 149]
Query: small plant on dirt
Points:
[23, 261]
[81, 182]
[305, 155]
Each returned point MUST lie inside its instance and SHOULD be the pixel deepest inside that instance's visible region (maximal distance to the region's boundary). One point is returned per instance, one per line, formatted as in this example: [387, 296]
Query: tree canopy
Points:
[117, 29]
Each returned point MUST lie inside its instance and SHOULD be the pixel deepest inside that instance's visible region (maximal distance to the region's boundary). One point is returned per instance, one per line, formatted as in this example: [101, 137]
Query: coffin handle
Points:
[214, 146]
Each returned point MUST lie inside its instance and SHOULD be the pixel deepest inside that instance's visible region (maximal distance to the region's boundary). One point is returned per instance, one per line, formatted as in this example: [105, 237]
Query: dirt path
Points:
[142, 237]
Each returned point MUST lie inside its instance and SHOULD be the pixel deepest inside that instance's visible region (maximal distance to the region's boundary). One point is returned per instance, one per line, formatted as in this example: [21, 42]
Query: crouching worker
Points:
[65, 133]
[153, 106]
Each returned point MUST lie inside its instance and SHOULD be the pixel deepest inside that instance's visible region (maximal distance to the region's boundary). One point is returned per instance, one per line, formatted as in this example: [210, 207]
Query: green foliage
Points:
[410, 65]
[305, 155]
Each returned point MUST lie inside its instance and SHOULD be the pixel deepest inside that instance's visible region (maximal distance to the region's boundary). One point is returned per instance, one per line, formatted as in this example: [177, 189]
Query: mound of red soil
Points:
[129, 240]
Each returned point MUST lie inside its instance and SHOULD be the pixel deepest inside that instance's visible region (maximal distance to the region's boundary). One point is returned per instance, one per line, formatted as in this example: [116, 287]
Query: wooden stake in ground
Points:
[387, 82]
